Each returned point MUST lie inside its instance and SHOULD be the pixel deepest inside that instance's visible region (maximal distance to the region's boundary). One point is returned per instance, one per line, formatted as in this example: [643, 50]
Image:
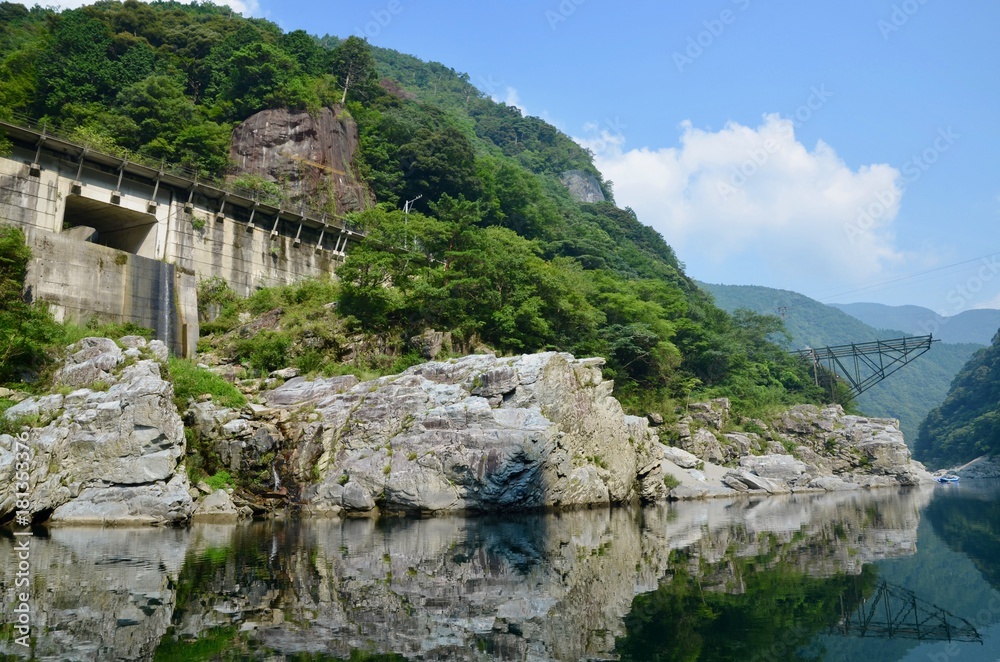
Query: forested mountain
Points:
[967, 424]
[494, 249]
[973, 326]
[908, 394]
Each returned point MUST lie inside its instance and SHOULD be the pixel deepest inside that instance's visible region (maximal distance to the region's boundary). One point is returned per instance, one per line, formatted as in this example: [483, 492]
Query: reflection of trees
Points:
[968, 521]
[774, 616]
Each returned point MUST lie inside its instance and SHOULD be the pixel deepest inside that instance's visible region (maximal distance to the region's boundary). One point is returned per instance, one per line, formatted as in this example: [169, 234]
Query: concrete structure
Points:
[125, 242]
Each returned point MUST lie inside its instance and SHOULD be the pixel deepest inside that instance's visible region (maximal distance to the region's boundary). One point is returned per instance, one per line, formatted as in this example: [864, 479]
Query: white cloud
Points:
[511, 98]
[754, 205]
[245, 7]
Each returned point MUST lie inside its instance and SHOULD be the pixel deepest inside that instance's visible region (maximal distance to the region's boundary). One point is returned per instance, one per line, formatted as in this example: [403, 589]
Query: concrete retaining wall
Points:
[174, 245]
[80, 281]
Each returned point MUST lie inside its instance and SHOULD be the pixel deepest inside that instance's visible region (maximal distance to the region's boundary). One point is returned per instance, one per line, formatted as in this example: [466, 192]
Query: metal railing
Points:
[193, 175]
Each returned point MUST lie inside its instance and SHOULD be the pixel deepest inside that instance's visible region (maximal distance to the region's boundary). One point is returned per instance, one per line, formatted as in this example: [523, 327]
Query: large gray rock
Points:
[219, 507]
[704, 444]
[91, 360]
[755, 482]
[479, 433]
[859, 451]
[832, 484]
[299, 392]
[777, 467]
[583, 187]
[713, 413]
[681, 457]
[111, 505]
[302, 150]
[107, 456]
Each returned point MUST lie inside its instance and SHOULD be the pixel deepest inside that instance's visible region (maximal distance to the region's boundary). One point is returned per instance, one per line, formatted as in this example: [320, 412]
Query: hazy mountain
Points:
[907, 395]
[976, 326]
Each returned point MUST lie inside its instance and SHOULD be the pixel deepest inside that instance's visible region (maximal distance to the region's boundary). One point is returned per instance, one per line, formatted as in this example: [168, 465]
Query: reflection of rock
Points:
[543, 587]
[111, 451]
[98, 594]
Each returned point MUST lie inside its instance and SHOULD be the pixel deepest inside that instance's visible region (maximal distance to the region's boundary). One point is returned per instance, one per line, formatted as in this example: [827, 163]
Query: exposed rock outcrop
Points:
[583, 187]
[479, 433]
[310, 155]
[805, 448]
[983, 467]
[109, 451]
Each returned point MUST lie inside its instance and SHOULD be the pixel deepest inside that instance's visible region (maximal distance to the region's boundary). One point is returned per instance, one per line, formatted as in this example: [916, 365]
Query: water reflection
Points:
[967, 517]
[715, 580]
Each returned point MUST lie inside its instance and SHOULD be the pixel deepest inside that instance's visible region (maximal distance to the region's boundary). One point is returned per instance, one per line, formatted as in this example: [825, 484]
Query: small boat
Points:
[946, 479]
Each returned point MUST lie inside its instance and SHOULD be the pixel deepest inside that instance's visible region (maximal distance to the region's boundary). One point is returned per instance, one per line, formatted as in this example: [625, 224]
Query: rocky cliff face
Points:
[310, 156]
[582, 186]
[108, 447]
[479, 433]
[489, 434]
[803, 448]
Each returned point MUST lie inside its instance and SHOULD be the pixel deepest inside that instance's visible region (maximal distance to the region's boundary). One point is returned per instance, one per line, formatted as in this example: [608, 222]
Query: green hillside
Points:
[907, 395]
[970, 326]
[967, 424]
[495, 250]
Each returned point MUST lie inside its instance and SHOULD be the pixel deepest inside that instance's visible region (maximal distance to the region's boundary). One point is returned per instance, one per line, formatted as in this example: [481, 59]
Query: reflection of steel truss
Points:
[896, 613]
[866, 364]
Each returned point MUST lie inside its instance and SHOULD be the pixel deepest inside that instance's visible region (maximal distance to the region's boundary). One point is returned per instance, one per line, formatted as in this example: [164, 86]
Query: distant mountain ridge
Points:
[908, 395]
[974, 326]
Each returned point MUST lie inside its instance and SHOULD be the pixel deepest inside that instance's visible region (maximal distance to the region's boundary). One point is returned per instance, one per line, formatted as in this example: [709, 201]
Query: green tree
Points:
[75, 67]
[25, 330]
[256, 75]
[439, 162]
[967, 424]
[354, 66]
[159, 107]
[305, 48]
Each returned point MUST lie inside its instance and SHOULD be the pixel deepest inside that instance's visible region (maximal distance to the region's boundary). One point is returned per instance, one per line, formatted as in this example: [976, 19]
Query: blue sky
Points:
[832, 148]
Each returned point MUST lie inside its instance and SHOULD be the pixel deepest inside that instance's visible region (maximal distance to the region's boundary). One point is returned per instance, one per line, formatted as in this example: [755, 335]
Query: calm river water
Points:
[871, 576]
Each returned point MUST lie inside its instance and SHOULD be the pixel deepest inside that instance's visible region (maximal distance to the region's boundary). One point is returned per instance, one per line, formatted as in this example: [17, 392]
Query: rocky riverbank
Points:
[107, 447]
[475, 434]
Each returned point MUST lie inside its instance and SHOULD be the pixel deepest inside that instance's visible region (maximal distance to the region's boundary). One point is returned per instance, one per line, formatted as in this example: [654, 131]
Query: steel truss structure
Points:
[865, 364]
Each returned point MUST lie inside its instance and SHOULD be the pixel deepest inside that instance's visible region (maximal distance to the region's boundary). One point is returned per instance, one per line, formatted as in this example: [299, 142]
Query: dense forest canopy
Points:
[494, 248]
[967, 424]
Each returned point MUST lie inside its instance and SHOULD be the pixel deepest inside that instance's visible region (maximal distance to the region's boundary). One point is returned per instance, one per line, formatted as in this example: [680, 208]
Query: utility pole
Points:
[406, 217]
